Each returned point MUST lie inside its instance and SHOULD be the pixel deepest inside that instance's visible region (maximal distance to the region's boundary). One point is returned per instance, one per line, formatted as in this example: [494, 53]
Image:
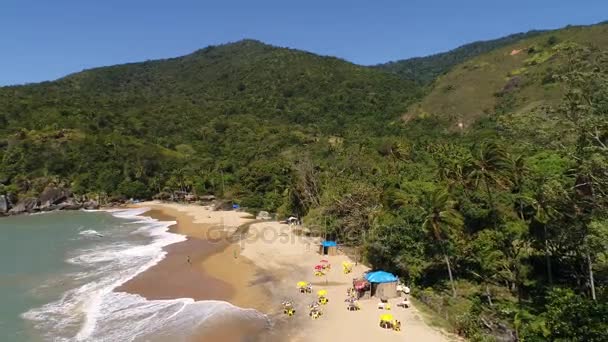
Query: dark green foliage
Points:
[425, 69]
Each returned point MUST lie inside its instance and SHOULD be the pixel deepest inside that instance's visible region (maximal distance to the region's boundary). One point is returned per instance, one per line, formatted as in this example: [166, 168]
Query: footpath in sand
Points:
[290, 258]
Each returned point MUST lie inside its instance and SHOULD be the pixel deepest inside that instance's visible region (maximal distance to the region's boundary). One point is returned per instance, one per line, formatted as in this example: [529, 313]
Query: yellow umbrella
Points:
[322, 293]
[346, 263]
[302, 284]
[386, 318]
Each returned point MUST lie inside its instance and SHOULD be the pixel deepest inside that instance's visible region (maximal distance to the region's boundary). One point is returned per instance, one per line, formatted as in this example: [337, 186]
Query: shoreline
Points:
[216, 271]
[259, 270]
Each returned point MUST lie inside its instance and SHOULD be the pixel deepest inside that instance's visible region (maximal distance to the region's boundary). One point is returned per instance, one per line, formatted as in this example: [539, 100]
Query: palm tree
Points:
[517, 170]
[544, 212]
[488, 163]
[440, 219]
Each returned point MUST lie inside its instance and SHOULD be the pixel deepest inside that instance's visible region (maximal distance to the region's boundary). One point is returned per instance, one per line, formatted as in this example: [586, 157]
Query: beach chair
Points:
[405, 303]
[288, 308]
[397, 325]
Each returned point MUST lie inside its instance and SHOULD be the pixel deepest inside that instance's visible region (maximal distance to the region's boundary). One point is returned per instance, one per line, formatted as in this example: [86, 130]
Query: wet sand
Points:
[216, 270]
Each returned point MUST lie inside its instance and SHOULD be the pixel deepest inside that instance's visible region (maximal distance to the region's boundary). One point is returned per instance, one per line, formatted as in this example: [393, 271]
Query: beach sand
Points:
[259, 271]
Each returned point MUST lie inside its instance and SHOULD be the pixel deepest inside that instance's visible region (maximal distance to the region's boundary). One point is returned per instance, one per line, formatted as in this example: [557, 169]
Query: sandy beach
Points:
[259, 271]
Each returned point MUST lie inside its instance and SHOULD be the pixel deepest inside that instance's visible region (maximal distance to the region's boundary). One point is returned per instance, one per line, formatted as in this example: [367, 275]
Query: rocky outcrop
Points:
[53, 196]
[26, 205]
[4, 205]
[90, 205]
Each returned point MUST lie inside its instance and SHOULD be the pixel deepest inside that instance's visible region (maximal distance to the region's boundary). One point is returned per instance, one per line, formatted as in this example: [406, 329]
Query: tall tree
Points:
[440, 220]
[488, 163]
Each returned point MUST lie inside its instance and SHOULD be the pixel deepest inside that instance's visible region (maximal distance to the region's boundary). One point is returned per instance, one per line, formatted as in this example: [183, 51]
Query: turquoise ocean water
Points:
[58, 270]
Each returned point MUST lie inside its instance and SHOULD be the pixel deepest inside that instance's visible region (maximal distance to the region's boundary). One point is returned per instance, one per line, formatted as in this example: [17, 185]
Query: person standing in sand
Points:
[189, 261]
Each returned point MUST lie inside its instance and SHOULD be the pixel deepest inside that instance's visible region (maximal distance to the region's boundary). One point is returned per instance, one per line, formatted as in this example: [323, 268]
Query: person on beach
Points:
[189, 261]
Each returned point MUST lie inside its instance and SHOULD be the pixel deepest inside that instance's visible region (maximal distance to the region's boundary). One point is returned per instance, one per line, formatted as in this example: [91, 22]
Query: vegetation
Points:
[426, 69]
[502, 227]
[513, 78]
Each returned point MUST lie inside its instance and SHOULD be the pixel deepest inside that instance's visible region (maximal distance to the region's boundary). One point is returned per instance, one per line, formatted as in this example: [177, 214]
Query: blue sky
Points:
[46, 39]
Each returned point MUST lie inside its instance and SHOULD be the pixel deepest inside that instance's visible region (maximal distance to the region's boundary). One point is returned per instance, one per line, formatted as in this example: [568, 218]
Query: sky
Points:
[47, 39]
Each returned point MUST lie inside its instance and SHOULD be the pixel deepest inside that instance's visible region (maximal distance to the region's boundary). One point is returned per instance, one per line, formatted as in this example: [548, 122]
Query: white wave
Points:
[90, 232]
[93, 312]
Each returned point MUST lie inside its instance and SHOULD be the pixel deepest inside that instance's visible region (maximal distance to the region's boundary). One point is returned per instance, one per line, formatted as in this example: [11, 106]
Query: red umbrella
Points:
[325, 260]
[318, 267]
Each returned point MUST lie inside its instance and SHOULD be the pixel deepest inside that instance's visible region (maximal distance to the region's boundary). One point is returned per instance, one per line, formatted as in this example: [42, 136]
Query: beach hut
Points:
[383, 284]
[328, 248]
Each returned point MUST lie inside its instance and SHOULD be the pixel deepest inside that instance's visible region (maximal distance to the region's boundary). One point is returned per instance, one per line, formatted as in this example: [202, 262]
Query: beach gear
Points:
[353, 306]
[319, 273]
[397, 325]
[318, 267]
[361, 284]
[288, 308]
[301, 284]
[347, 267]
[322, 293]
[386, 321]
[315, 313]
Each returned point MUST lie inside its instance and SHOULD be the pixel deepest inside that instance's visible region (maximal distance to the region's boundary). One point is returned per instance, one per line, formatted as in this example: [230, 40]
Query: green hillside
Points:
[218, 109]
[425, 69]
[514, 78]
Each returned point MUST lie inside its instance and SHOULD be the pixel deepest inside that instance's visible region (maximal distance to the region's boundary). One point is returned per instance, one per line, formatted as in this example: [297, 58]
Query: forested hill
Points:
[425, 69]
[134, 129]
[502, 227]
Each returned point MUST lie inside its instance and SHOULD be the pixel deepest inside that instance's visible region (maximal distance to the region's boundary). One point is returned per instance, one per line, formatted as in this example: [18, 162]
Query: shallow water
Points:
[58, 271]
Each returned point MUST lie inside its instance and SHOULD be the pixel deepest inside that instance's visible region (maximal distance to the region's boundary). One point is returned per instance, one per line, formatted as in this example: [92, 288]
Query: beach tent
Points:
[384, 284]
[328, 248]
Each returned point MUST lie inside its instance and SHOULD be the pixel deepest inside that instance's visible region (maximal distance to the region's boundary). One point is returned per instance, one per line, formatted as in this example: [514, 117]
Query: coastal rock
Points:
[90, 205]
[52, 196]
[69, 204]
[26, 205]
[4, 205]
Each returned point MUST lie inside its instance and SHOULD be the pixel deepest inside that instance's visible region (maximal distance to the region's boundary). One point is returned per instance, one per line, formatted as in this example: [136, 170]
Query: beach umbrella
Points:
[322, 293]
[324, 261]
[318, 267]
[302, 284]
[386, 318]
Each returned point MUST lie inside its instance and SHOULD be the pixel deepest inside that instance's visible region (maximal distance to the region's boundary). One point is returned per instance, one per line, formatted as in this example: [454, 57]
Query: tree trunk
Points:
[491, 200]
[591, 280]
[447, 262]
[548, 257]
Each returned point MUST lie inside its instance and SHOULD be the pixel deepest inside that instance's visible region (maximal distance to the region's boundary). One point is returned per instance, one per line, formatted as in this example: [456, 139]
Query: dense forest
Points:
[502, 227]
[424, 70]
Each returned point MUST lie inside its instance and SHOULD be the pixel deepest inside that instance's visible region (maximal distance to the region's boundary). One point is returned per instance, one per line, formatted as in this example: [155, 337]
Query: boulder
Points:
[4, 205]
[52, 196]
[91, 204]
[69, 204]
[26, 205]
[263, 215]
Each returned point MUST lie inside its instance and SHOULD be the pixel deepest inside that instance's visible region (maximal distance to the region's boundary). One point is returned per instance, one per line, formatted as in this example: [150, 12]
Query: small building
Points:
[383, 284]
[328, 248]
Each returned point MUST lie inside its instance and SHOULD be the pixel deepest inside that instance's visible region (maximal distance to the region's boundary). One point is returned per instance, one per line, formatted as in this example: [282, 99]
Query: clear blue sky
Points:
[47, 39]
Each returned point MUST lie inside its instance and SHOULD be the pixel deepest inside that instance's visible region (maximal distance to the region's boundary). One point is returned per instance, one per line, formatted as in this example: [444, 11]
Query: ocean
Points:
[58, 271]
